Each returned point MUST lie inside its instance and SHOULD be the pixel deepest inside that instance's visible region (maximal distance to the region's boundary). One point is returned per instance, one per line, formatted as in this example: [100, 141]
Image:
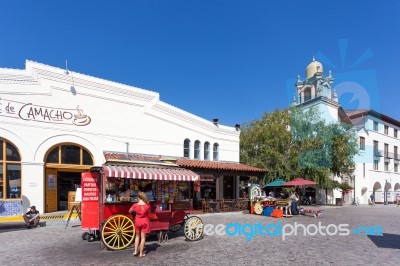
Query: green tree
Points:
[267, 143]
[292, 143]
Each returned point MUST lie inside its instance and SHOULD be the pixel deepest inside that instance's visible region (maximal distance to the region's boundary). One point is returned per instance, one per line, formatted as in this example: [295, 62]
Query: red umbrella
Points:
[299, 182]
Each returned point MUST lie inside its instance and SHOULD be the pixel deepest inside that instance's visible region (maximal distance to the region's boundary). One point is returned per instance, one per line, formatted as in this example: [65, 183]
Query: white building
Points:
[376, 169]
[55, 124]
[377, 165]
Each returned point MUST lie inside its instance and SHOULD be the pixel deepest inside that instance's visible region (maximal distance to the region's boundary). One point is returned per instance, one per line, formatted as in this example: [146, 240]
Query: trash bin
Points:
[339, 202]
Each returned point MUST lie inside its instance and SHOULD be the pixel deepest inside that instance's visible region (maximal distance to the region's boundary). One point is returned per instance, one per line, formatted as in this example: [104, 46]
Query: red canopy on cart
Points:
[150, 173]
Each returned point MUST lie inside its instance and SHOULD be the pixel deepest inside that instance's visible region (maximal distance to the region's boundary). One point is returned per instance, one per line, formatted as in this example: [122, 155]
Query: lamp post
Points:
[354, 190]
[385, 193]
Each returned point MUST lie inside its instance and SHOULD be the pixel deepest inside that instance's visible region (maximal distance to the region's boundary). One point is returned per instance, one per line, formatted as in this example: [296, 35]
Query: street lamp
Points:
[354, 190]
[385, 193]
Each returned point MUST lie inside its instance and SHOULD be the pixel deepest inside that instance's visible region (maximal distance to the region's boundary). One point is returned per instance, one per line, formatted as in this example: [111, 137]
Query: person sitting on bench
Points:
[32, 217]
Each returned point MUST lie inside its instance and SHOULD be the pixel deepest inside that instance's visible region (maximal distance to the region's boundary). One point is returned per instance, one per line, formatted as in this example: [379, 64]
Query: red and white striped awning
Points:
[151, 173]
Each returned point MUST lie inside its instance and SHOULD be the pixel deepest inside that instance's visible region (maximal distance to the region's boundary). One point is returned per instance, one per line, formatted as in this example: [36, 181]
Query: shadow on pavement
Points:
[16, 226]
[152, 247]
[386, 241]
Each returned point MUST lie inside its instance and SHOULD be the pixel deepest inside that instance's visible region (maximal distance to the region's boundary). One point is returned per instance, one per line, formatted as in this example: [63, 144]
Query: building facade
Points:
[376, 170]
[377, 165]
[56, 124]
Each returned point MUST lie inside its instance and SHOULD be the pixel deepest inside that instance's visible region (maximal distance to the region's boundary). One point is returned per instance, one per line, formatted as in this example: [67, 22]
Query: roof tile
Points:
[183, 162]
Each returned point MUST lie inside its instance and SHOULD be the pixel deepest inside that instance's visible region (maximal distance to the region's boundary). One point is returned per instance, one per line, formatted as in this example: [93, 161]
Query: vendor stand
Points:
[109, 192]
[255, 197]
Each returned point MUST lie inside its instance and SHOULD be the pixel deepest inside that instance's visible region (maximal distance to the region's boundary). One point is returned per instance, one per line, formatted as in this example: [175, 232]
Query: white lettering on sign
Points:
[89, 179]
[37, 113]
[90, 189]
[88, 194]
[90, 198]
[89, 184]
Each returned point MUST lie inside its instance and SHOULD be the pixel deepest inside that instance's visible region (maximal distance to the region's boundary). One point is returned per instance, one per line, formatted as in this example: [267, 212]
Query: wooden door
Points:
[51, 190]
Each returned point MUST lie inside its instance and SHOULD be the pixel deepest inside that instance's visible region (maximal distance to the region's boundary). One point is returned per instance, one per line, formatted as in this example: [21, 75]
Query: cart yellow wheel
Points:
[118, 232]
[258, 208]
[193, 228]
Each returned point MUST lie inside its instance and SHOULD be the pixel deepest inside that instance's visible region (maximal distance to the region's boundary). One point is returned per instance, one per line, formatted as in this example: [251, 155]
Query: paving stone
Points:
[53, 244]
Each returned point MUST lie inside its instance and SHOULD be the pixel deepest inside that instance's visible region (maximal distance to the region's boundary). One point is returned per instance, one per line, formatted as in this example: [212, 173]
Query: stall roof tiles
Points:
[183, 162]
[230, 166]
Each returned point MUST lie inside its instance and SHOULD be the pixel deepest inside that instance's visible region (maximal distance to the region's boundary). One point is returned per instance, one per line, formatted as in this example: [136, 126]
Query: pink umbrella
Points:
[299, 182]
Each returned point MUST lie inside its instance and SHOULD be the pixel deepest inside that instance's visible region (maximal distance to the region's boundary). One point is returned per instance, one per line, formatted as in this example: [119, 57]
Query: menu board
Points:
[90, 188]
[91, 214]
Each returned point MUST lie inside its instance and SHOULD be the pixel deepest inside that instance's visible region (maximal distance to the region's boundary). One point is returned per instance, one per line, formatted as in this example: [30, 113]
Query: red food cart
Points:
[109, 191]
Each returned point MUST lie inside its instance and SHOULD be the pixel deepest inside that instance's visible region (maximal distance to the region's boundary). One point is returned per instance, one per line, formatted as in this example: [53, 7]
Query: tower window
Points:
[307, 94]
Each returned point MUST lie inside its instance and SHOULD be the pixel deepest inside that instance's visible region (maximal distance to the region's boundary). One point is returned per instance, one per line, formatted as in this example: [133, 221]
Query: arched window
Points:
[186, 148]
[215, 152]
[197, 149]
[69, 154]
[307, 94]
[10, 170]
[207, 150]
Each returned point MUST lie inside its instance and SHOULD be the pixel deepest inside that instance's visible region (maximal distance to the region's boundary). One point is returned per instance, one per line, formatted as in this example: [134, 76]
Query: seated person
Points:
[32, 217]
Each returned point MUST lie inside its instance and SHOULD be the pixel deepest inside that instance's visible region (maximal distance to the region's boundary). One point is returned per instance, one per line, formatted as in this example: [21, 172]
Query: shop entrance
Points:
[64, 166]
[228, 187]
[67, 182]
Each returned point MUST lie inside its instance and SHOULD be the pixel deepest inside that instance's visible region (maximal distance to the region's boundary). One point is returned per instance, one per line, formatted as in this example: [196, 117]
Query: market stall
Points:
[109, 191]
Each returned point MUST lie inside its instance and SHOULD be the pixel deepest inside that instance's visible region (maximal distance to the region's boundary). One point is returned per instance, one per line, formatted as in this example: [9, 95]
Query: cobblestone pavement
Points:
[51, 244]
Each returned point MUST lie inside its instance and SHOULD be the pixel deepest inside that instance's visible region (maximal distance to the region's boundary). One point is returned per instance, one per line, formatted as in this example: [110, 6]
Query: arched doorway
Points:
[378, 192]
[64, 164]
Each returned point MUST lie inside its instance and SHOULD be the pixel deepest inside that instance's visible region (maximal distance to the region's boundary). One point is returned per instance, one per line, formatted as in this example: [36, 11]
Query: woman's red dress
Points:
[142, 221]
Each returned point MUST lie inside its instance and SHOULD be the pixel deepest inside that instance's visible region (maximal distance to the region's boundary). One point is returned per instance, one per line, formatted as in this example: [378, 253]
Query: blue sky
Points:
[232, 60]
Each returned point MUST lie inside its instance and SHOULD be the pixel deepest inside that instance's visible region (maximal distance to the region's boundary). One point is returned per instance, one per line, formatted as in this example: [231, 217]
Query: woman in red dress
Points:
[142, 222]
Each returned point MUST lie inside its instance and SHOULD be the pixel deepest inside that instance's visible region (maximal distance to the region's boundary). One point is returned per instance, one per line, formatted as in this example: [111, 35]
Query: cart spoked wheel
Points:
[193, 228]
[118, 232]
[258, 208]
[175, 228]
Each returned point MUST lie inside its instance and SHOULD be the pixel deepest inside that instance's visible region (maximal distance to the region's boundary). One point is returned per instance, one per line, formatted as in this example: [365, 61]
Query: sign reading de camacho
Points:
[46, 114]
